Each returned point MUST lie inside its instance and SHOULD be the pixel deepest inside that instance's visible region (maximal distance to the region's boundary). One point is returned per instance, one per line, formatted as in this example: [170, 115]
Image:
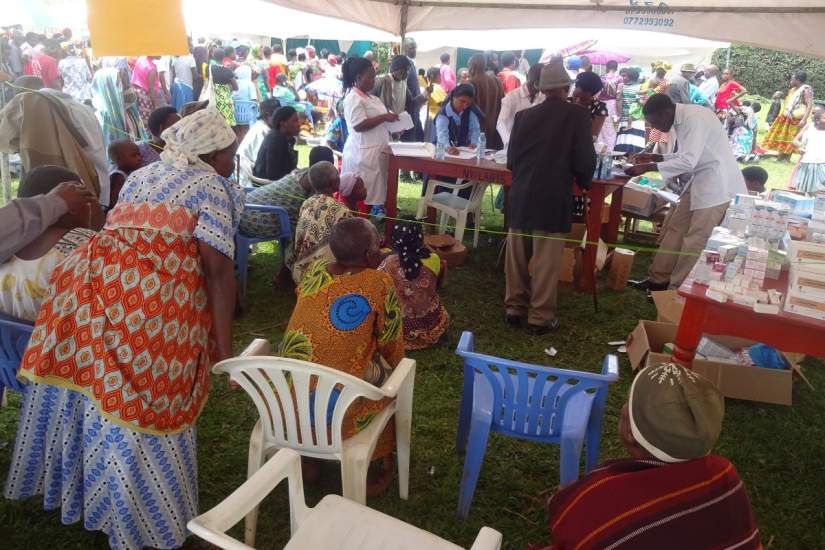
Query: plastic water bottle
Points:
[440, 151]
[481, 149]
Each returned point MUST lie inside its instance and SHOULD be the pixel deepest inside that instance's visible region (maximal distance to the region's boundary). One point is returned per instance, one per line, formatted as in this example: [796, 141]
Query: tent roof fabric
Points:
[790, 25]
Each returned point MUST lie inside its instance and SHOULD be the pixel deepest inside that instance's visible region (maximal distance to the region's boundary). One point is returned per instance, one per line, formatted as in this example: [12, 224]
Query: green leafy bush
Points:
[764, 71]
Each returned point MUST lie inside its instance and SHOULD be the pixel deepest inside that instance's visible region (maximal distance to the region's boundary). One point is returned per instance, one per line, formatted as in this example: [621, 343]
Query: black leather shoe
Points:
[541, 330]
[649, 285]
[513, 320]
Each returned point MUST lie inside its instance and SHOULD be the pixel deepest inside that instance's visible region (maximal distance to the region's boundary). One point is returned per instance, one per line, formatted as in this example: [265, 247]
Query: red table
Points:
[786, 331]
[493, 172]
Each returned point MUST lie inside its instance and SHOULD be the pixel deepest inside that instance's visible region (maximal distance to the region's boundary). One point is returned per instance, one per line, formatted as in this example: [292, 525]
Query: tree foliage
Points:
[764, 71]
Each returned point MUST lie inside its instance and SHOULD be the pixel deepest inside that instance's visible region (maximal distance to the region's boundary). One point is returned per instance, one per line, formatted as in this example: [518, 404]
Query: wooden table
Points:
[785, 331]
[489, 171]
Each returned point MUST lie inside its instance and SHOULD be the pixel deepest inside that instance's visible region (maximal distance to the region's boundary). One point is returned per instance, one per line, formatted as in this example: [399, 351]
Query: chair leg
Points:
[255, 461]
[242, 261]
[460, 225]
[403, 431]
[570, 456]
[465, 411]
[354, 477]
[477, 228]
[479, 433]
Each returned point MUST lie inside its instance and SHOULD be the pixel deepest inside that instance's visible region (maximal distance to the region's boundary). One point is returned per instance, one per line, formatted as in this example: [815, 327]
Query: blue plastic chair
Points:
[532, 402]
[14, 337]
[246, 112]
[243, 242]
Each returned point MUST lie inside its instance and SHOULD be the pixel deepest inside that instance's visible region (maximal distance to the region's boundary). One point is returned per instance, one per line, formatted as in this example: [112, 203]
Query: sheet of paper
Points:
[463, 153]
[404, 123]
[412, 149]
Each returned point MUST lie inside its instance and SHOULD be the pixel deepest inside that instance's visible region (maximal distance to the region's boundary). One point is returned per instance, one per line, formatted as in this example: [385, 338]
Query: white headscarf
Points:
[347, 184]
[200, 133]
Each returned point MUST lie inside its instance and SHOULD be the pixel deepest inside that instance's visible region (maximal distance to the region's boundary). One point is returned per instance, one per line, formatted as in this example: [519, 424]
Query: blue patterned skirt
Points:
[138, 489]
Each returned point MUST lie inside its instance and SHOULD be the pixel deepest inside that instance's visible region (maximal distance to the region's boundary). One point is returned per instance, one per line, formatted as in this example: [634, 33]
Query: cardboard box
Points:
[805, 305]
[733, 380]
[669, 306]
[641, 200]
[570, 263]
[620, 265]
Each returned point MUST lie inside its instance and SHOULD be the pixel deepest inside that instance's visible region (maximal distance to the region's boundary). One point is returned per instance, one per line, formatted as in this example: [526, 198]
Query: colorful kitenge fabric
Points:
[425, 317]
[286, 192]
[77, 78]
[628, 504]
[597, 109]
[352, 323]
[126, 322]
[117, 112]
[782, 132]
[145, 104]
[629, 95]
[140, 490]
[318, 215]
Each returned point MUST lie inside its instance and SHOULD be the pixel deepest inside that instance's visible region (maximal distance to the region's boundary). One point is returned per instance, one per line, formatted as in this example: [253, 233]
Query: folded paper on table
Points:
[412, 149]
[403, 123]
[463, 153]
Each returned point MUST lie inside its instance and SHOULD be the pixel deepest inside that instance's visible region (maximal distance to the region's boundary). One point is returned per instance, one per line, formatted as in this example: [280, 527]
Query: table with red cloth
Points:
[785, 331]
[493, 172]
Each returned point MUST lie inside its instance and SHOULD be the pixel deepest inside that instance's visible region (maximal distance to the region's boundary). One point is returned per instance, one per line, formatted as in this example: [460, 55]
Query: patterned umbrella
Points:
[600, 57]
[568, 51]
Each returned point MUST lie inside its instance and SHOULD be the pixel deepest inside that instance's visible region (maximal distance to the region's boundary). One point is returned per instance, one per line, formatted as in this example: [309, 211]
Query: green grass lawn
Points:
[777, 450]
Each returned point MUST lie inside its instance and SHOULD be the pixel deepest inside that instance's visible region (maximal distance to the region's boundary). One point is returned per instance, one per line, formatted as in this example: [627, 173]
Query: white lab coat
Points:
[703, 153]
[365, 153]
[514, 102]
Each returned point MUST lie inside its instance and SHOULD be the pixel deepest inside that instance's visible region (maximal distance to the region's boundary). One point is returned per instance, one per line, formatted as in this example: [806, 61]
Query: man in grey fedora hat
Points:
[551, 147]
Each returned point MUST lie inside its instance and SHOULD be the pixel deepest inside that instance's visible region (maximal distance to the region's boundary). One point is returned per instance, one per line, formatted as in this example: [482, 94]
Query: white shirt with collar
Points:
[709, 88]
[514, 102]
[703, 153]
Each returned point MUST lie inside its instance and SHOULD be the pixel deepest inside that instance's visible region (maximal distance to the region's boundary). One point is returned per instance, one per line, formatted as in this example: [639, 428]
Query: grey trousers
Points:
[533, 296]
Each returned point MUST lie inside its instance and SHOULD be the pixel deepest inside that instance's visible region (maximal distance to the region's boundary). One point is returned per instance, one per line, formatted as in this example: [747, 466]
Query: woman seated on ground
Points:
[417, 273]
[277, 156]
[318, 216]
[24, 278]
[254, 138]
[588, 86]
[351, 193]
[347, 318]
[160, 119]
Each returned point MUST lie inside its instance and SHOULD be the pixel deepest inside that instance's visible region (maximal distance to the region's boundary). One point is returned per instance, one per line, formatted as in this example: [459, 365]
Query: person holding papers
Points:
[703, 158]
[365, 151]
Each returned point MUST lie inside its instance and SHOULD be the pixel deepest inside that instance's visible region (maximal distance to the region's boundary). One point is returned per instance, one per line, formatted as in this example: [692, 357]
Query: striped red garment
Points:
[636, 504]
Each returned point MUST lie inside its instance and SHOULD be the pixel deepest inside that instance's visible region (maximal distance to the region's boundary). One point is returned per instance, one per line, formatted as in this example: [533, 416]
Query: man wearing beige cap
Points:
[672, 493]
[551, 146]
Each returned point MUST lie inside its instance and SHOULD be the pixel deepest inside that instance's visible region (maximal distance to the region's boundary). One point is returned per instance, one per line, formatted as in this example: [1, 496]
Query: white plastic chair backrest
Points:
[477, 195]
[281, 390]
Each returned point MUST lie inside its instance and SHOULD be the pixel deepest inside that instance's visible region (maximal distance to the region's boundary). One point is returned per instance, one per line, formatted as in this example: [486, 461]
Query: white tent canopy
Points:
[791, 25]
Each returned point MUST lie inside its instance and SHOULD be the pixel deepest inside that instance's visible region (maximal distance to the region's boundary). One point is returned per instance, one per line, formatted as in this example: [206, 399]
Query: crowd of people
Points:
[126, 267]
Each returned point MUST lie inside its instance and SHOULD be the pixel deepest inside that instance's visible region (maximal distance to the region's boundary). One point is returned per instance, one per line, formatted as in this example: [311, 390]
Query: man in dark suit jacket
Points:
[551, 146]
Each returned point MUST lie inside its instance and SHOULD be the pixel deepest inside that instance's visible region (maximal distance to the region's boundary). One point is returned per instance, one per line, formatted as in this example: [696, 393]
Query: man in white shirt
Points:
[703, 158]
[524, 97]
[710, 85]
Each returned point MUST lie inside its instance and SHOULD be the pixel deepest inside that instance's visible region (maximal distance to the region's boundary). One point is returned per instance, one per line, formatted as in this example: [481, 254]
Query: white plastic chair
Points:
[452, 206]
[279, 387]
[335, 523]
[246, 172]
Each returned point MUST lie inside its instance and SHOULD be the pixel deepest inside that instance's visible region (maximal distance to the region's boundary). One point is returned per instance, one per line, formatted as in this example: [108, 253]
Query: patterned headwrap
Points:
[200, 133]
[408, 242]
[347, 184]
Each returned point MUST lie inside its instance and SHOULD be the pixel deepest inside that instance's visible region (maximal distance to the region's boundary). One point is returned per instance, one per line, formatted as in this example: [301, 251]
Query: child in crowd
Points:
[417, 273]
[125, 158]
[337, 132]
[810, 175]
[159, 120]
[776, 107]
[755, 179]
[352, 193]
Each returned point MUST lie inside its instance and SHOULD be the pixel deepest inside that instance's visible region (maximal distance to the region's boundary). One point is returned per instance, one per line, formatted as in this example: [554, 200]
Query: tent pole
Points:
[727, 62]
[405, 6]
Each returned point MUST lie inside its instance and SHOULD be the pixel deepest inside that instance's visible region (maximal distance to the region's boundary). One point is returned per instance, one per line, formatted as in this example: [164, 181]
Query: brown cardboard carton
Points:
[669, 306]
[641, 200]
[620, 266]
[735, 381]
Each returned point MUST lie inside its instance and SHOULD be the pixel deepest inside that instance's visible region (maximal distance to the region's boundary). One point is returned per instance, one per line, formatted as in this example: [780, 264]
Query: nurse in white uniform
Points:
[365, 152]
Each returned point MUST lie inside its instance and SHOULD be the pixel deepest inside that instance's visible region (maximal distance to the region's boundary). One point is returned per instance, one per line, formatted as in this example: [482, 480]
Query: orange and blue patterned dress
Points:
[352, 323]
[118, 363]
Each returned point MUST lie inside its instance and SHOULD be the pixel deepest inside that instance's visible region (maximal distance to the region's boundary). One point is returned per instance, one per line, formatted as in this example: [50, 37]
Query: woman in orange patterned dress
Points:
[118, 363]
[795, 112]
[347, 317]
